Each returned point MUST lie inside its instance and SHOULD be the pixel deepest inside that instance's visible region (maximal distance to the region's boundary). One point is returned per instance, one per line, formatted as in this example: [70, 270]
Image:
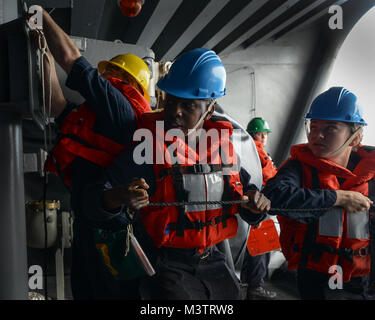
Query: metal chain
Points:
[169, 204]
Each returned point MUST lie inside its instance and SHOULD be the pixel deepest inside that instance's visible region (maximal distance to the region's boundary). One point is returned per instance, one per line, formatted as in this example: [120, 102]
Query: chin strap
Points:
[201, 119]
[351, 138]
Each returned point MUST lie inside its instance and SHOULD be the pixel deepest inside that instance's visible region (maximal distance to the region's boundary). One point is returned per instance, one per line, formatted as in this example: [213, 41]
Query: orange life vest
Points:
[211, 178]
[78, 139]
[337, 238]
[268, 168]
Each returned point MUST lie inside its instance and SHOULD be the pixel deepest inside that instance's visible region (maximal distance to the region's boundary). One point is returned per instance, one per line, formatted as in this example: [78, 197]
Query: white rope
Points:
[127, 243]
[46, 117]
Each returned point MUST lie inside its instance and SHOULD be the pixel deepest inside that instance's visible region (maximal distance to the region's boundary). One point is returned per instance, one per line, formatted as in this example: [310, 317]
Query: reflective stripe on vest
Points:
[203, 187]
[358, 225]
[331, 224]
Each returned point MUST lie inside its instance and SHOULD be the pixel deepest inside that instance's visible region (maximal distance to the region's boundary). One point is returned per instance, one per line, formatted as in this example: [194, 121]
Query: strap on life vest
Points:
[346, 253]
[227, 196]
[200, 225]
[194, 169]
[181, 195]
[310, 238]
[66, 181]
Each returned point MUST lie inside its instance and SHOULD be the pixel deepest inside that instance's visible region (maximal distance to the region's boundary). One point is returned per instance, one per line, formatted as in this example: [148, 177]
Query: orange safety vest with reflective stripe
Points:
[196, 176]
[268, 169]
[78, 139]
[338, 238]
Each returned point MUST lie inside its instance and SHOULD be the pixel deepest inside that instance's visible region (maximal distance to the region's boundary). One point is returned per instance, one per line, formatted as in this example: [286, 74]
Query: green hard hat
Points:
[258, 125]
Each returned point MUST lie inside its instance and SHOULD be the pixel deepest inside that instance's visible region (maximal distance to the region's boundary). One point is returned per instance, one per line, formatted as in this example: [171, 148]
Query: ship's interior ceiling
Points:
[170, 27]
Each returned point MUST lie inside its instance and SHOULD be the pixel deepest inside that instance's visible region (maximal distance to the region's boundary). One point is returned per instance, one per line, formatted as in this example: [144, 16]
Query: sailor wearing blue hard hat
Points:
[195, 80]
[185, 237]
[336, 105]
[333, 174]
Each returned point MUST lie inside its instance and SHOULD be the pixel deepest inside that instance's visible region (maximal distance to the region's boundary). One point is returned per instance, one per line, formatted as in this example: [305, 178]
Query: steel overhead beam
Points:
[273, 15]
[135, 27]
[159, 19]
[288, 22]
[57, 4]
[234, 23]
[176, 26]
[232, 8]
[195, 27]
[86, 18]
[304, 22]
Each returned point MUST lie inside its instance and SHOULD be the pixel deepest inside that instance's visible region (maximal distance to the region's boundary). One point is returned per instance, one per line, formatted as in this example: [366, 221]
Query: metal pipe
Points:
[13, 248]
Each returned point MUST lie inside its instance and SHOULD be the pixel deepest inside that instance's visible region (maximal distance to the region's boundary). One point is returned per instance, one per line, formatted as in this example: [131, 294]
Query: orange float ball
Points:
[130, 8]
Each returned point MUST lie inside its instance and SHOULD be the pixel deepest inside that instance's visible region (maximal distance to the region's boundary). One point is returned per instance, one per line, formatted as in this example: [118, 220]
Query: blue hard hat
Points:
[196, 74]
[336, 104]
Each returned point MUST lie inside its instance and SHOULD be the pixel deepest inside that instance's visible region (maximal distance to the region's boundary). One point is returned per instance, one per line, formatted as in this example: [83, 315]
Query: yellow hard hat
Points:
[133, 65]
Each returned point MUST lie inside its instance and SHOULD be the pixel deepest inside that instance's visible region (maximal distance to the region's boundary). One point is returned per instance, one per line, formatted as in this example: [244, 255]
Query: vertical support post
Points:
[13, 248]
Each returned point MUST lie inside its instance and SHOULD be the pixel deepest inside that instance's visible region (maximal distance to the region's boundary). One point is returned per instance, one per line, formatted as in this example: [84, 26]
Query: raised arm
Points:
[51, 83]
[113, 111]
[62, 47]
[58, 101]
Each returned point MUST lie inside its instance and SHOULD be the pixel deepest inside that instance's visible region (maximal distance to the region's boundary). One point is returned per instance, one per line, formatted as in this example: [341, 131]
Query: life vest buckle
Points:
[199, 225]
[362, 252]
[202, 168]
[214, 221]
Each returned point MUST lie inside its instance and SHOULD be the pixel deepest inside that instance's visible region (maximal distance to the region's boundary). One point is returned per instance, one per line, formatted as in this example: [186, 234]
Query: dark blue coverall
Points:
[114, 120]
